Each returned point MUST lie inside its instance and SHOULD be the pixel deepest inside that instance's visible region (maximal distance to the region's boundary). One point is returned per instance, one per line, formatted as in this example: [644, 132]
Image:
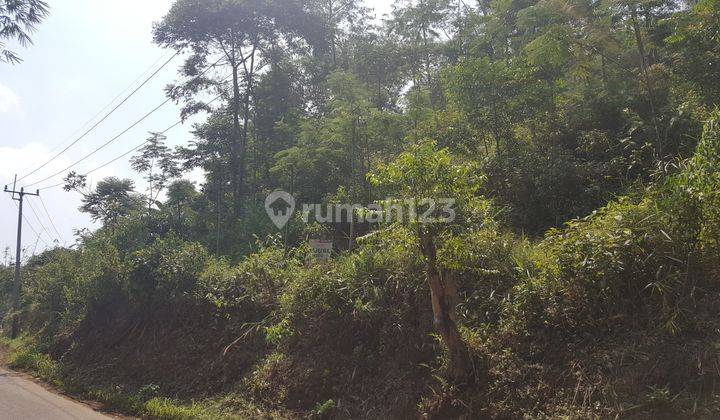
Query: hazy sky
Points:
[85, 54]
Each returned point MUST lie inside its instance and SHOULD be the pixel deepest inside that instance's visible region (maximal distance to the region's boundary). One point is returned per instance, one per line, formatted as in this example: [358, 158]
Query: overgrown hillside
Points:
[573, 274]
[615, 314]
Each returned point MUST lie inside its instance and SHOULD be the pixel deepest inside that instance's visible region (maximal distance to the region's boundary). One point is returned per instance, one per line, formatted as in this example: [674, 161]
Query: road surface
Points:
[21, 399]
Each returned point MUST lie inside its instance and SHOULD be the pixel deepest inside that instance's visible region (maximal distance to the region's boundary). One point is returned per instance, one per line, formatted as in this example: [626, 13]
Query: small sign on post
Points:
[322, 249]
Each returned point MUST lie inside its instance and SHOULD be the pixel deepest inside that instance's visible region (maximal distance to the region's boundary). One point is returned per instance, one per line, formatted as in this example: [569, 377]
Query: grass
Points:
[166, 409]
[23, 354]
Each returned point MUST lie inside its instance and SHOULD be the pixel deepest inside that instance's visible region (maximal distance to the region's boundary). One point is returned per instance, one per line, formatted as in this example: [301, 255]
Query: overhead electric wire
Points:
[104, 117]
[121, 133]
[109, 104]
[27, 222]
[52, 223]
[133, 125]
[37, 238]
[42, 226]
[115, 159]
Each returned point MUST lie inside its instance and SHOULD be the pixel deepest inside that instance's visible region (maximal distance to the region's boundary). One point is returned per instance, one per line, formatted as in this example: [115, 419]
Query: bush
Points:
[168, 268]
[485, 262]
[384, 268]
[639, 259]
[62, 286]
[166, 409]
[257, 279]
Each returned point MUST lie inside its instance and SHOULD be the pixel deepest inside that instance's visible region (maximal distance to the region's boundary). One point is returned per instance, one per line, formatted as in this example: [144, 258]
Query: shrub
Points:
[166, 269]
[638, 259]
[485, 262]
[257, 278]
[384, 268]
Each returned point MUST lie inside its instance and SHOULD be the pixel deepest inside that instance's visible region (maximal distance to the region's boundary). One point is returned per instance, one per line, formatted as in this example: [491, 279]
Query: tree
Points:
[496, 95]
[696, 49]
[377, 61]
[18, 19]
[421, 25]
[112, 198]
[278, 108]
[337, 20]
[159, 162]
[341, 143]
[180, 196]
[429, 177]
[210, 151]
[242, 33]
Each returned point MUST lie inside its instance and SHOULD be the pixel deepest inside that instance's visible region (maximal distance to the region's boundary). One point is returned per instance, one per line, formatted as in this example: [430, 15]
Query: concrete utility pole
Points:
[16, 289]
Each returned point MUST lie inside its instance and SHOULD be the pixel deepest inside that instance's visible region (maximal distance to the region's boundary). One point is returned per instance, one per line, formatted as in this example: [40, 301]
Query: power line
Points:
[115, 159]
[52, 223]
[35, 231]
[42, 226]
[27, 222]
[109, 104]
[37, 238]
[147, 70]
[103, 118]
[133, 125]
[17, 283]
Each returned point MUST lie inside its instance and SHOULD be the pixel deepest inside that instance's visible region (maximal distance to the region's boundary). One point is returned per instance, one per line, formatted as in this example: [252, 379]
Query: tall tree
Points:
[241, 33]
[158, 162]
[422, 25]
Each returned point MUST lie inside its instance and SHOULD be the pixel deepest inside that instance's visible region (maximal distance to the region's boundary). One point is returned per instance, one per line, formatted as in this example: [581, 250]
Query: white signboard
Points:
[322, 248]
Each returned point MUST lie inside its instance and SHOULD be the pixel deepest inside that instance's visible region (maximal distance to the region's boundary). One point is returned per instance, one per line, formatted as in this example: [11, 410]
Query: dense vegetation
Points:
[578, 278]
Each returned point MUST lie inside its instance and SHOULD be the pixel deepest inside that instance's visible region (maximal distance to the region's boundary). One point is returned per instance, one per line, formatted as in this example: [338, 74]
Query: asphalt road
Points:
[22, 399]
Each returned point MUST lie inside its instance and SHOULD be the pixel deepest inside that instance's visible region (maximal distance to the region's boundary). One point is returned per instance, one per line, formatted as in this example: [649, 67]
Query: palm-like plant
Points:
[18, 19]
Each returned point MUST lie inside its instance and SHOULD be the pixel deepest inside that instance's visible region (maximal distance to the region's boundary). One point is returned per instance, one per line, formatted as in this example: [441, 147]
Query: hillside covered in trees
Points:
[578, 276]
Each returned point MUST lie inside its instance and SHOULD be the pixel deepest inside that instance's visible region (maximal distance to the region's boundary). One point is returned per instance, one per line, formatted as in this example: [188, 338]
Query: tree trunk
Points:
[236, 145]
[646, 77]
[443, 294]
[243, 147]
[249, 74]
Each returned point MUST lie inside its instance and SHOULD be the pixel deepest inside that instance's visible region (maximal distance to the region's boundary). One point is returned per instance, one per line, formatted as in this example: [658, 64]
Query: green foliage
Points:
[111, 200]
[577, 117]
[633, 258]
[256, 279]
[19, 19]
[489, 264]
[7, 277]
[166, 409]
[24, 355]
[695, 48]
[159, 162]
[542, 187]
[424, 173]
[323, 410]
[703, 178]
[358, 287]
[168, 268]
[496, 96]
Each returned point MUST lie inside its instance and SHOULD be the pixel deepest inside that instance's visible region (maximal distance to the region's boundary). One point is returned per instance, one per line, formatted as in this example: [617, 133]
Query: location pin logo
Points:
[280, 206]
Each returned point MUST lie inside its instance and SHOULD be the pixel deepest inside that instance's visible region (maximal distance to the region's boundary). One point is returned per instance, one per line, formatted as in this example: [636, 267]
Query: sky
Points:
[85, 54]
